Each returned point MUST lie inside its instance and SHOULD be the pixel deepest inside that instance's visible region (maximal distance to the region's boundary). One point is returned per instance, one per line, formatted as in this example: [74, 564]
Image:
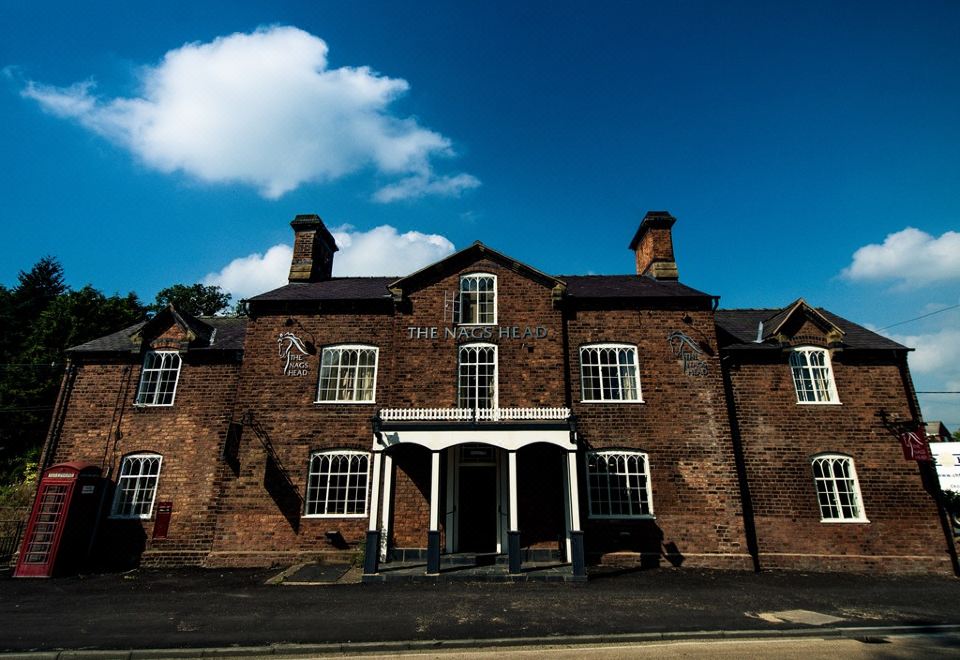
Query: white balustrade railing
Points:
[470, 414]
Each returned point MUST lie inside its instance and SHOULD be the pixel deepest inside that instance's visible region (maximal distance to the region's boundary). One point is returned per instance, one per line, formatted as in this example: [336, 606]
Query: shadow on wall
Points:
[284, 493]
[119, 545]
[643, 538]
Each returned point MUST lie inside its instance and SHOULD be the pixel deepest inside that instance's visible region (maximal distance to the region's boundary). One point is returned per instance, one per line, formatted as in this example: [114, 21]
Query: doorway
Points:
[477, 499]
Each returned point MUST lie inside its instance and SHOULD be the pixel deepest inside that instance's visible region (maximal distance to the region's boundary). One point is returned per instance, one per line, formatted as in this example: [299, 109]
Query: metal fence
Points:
[10, 531]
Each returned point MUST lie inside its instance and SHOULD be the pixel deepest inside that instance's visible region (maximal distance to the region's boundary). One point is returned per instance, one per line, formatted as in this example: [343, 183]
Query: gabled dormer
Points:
[474, 303]
[172, 330]
[799, 324]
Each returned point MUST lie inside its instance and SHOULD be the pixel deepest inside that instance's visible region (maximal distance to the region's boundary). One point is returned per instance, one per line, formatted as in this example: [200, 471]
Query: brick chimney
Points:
[313, 249]
[653, 245]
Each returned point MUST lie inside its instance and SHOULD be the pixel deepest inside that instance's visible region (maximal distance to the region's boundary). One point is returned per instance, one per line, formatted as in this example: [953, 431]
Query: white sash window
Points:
[348, 374]
[477, 378]
[813, 375]
[478, 299]
[337, 484]
[838, 491]
[136, 486]
[158, 378]
[618, 485]
[609, 372]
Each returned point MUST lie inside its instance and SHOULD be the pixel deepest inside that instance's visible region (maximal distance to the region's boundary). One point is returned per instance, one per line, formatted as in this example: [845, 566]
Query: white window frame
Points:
[142, 400]
[142, 482]
[476, 346]
[586, 349]
[324, 504]
[829, 486]
[340, 348]
[625, 456]
[810, 372]
[461, 293]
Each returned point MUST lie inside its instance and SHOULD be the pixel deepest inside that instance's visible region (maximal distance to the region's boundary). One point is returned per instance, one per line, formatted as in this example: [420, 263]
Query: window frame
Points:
[118, 491]
[495, 398]
[326, 501]
[648, 489]
[143, 372]
[348, 347]
[827, 364]
[460, 294]
[861, 516]
[636, 368]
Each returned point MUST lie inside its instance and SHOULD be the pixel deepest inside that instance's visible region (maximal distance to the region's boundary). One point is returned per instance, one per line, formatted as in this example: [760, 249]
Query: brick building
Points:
[482, 406]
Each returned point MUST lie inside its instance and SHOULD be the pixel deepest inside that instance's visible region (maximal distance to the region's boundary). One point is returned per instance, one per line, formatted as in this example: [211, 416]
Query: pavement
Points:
[193, 612]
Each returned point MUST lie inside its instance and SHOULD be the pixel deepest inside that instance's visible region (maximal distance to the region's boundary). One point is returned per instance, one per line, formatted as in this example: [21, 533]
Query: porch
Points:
[469, 462]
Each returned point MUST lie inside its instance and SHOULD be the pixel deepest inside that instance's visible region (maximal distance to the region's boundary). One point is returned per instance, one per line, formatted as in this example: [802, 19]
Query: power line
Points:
[945, 309]
[939, 392]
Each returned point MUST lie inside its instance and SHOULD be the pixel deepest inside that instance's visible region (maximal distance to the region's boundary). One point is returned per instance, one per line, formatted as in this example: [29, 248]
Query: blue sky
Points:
[150, 144]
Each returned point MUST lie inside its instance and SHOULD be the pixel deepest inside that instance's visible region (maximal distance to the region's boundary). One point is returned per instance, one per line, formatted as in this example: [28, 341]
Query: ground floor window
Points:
[137, 486]
[838, 492]
[618, 484]
[337, 483]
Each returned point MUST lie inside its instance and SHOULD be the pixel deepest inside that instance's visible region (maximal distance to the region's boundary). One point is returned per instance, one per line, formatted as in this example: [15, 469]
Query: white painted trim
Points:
[468, 414]
[387, 505]
[827, 362]
[861, 510]
[646, 473]
[443, 439]
[156, 486]
[496, 302]
[574, 490]
[512, 483]
[503, 503]
[566, 507]
[334, 452]
[352, 347]
[435, 491]
[452, 513]
[143, 370]
[636, 368]
[494, 400]
[375, 491]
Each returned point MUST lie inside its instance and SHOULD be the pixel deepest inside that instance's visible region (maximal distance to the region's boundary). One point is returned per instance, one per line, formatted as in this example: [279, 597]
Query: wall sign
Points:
[477, 332]
[687, 350]
[294, 355]
[915, 447]
[946, 456]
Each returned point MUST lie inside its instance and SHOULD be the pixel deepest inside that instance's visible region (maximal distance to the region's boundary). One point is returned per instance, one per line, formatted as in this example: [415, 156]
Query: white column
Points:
[512, 479]
[574, 490]
[374, 492]
[566, 504]
[451, 520]
[387, 503]
[434, 491]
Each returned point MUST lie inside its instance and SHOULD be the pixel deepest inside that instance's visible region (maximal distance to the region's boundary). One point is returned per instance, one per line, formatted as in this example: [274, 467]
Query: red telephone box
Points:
[61, 524]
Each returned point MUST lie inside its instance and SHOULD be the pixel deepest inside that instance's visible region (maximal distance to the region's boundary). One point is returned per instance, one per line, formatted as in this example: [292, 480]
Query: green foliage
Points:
[956, 435]
[194, 299]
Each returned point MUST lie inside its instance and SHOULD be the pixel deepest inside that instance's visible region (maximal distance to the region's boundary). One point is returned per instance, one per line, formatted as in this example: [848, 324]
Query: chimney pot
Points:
[653, 245]
[313, 248]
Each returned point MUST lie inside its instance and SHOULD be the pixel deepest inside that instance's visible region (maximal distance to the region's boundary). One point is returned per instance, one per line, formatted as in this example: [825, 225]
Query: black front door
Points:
[478, 509]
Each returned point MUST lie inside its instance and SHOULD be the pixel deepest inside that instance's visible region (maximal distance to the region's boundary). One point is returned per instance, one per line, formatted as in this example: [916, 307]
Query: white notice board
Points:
[946, 456]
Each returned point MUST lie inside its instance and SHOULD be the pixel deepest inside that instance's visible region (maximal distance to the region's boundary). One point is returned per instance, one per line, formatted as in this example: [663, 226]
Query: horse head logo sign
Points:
[292, 350]
[690, 352]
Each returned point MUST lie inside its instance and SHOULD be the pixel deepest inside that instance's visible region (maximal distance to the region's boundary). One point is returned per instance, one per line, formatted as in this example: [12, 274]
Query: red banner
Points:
[915, 447]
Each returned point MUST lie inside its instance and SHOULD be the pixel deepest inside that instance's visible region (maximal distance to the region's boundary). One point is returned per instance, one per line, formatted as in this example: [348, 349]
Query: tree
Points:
[956, 435]
[194, 299]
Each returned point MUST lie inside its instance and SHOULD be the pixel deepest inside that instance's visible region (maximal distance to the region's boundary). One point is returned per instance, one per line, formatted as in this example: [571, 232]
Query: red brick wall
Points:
[682, 425]
[781, 436]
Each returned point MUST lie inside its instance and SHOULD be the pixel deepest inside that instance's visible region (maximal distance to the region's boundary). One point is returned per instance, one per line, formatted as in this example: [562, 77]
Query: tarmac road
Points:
[196, 608]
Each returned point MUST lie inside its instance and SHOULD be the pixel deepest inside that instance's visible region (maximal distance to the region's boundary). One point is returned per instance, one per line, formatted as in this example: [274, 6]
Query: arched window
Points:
[478, 299]
[348, 374]
[812, 375]
[337, 483]
[136, 486]
[158, 378]
[618, 484]
[477, 376]
[838, 491]
[609, 372]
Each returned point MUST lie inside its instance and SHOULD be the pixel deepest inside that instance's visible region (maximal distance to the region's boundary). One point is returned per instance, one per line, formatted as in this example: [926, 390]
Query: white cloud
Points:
[379, 251]
[418, 186]
[911, 256]
[935, 366]
[263, 109]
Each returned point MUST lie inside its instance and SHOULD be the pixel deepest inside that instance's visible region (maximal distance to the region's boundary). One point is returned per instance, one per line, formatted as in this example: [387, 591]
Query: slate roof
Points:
[627, 286]
[230, 332]
[337, 288]
[739, 331]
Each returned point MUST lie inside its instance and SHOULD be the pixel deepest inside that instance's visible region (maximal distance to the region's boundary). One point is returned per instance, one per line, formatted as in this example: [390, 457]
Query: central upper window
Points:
[813, 375]
[609, 372]
[478, 299]
[158, 378]
[348, 374]
[477, 378]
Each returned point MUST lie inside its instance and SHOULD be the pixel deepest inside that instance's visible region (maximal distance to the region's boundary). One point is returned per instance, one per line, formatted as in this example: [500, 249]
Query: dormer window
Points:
[158, 379]
[813, 375]
[478, 299]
